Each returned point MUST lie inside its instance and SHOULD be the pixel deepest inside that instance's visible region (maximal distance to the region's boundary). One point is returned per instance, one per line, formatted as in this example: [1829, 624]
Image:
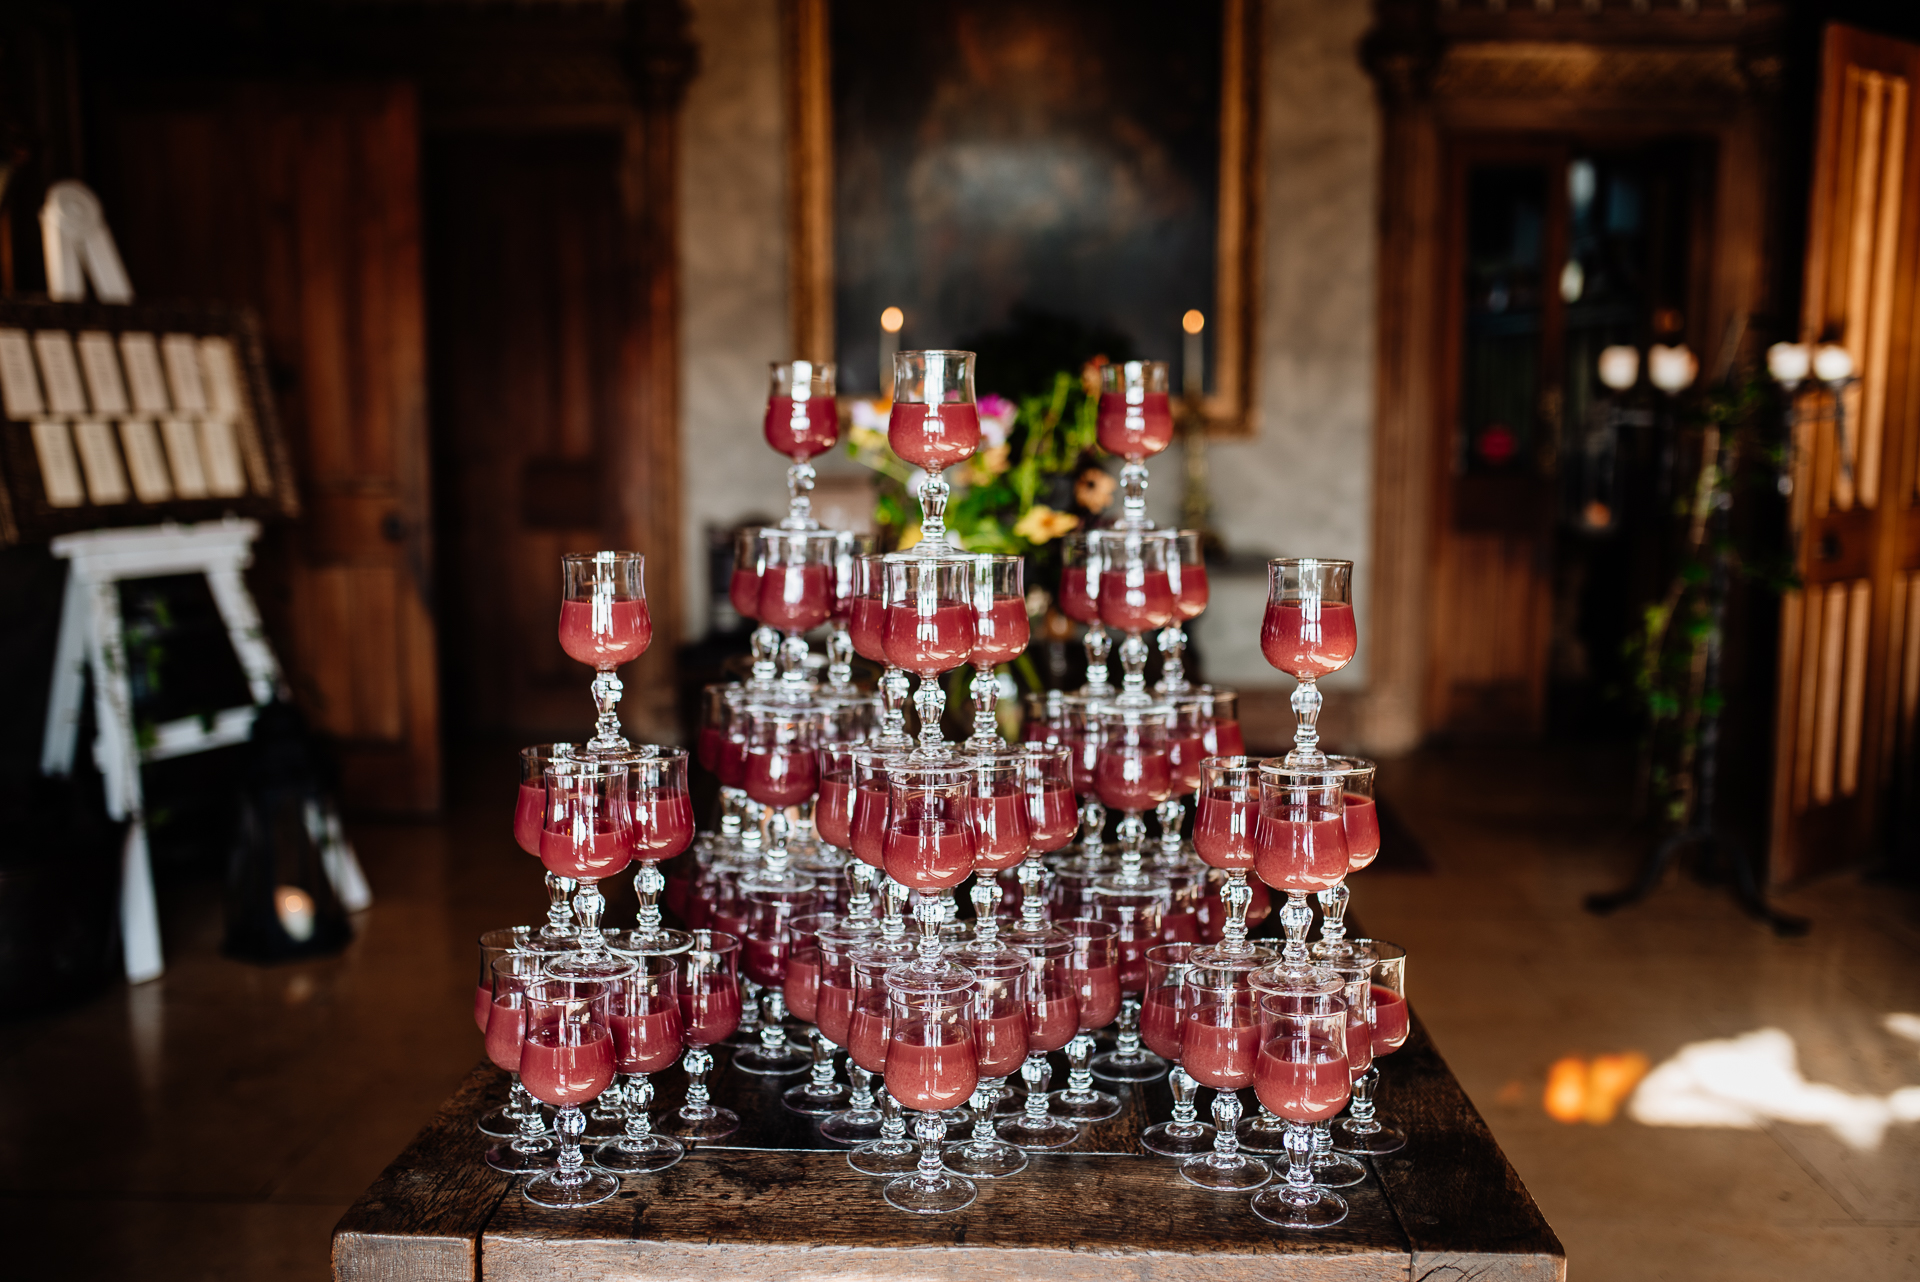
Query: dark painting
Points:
[1036, 176]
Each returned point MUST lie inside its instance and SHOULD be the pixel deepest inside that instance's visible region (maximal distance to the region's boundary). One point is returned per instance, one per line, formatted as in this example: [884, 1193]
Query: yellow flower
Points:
[1041, 524]
[908, 537]
[1094, 490]
[989, 463]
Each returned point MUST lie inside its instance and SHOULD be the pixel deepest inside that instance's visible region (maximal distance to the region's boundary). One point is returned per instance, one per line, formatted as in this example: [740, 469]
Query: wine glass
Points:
[999, 1047]
[604, 623]
[531, 1148]
[1187, 572]
[1080, 557]
[661, 802]
[860, 1120]
[1096, 977]
[1222, 737]
[1308, 632]
[644, 1015]
[1134, 420]
[1266, 1133]
[796, 595]
[869, 1028]
[930, 631]
[1225, 818]
[867, 628]
[1302, 1077]
[1001, 632]
[933, 425]
[931, 1067]
[820, 1094]
[1161, 1018]
[1351, 979]
[1000, 814]
[529, 816]
[929, 843]
[708, 989]
[588, 835]
[567, 1059]
[848, 548]
[771, 907]
[802, 420]
[1136, 596]
[1299, 845]
[1053, 1020]
[833, 807]
[1387, 973]
[1362, 823]
[503, 1122]
[1219, 1044]
[782, 770]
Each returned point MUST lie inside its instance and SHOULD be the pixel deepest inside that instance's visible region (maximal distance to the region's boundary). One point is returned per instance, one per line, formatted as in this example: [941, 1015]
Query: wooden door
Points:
[303, 202]
[1849, 677]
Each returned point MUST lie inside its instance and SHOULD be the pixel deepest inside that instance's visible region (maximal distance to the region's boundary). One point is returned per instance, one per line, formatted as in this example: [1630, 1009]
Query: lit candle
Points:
[1671, 369]
[1620, 366]
[1193, 366]
[1789, 363]
[294, 907]
[1832, 363]
[891, 321]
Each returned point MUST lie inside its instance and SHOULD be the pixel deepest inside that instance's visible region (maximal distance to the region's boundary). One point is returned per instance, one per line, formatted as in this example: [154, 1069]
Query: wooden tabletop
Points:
[778, 1202]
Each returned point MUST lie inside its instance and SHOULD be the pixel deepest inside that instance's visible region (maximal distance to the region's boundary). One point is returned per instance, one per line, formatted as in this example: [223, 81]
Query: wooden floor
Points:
[215, 1124]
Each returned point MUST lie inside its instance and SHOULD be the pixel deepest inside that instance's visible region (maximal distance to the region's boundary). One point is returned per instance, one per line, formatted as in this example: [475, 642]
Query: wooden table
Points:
[778, 1202]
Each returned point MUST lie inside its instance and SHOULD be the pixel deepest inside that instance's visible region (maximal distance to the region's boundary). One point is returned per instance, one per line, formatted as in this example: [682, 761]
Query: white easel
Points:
[91, 638]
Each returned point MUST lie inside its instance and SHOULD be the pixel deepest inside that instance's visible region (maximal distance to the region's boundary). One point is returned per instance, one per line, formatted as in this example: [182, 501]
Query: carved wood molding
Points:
[1541, 70]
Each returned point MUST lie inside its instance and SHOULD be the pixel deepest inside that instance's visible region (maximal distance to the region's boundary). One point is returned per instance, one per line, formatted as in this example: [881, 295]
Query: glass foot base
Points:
[984, 1160]
[512, 1161]
[585, 1189]
[1038, 1134]
[502, 1125]
[1083, 1106]
[1312, 1208]
[713, 1124]
[812, 1101]
[1384, 1140]
[763, 1063]
[638, 1157]
[1235, 1174]
[1256, 1135]
[1010, 1104]
[852, 1126]
[884, 1157]
[1116, 1066]
[935, 1196]
[1337, 1171]
[1169, 1139]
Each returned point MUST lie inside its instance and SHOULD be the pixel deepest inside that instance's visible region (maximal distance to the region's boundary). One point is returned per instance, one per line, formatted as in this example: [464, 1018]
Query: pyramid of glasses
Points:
[834, 817]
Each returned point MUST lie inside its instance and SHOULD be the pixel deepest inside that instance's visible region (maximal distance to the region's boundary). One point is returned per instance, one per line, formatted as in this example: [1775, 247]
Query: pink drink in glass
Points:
[1390, 1021]
[869, 832]
[930, 852]
[1129, 779]
[930, 1075]
[1074, 601]
[1052, 818]
[867, 628]
[1054, 1018]
[1001, 633]
[782, 777]
[1223, 739]
[709, 1009]
[1302, 853]
[1302, 1079]
[1184, 756]
[1136, 600]
[566, 1072]
[1307, 648]
[934, 437]
[1220, 1043]
[605, 634]
[529, 812]
[867, 1040]
[1190, 598]
[733, 762]
[1000, 1043]
[743, 589]
[802, 984]
[647, 1041]
[482, 1005]
[833, 812]
[1363, 831]
[796, 598]
[801, 429]
[662, 823]
[1134, 432]
[1160, 1020]
[833, 1012]
[1098, 990]
[929, 644]
[764, 961]
[506, 1029]
[601, 853]
[1000, 829]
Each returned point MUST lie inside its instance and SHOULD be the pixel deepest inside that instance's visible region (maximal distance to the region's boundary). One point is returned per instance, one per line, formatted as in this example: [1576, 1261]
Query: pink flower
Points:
[996, 418]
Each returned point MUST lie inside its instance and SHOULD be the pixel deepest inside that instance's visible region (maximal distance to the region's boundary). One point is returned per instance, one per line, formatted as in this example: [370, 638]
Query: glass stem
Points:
[731, 801]
[1037, 1073]
[1079, 1076]
[929, 1130]
[823, 1067]
[559, 907]
[698, 1063]
[893, 1123]
[928, 912]
[793, 665]
[1132, 833]
[611, 1104]
[766, 650]
[1127, 1043]
[1295, 918]
[1186, 1123]
[773, 1017]
[893, 925]
[777, 853]
[861, 877]
[1133, 668]
[1226, 1116]
[893, 709]
[930, 698]
[982, 1102]
[933, 516]
[861, 1083]
[1322, 1141]
[639, 1120]
[1173, 667]
[1299, 1160]
[800, 478]
[1172, 815]
[647, 885]
[986, 695]
[1098, 644]
[1238, 897]
[1333, 919]
[569, 1169]
[753, 832]
[1093, 824]
[533, 1124]
[986, 926]
[839, 656]
[606, 730]
[1033, 899]
[588, 904]
[1306, 732]
[520, 1103]
[1362, 1122]
[1133, 500]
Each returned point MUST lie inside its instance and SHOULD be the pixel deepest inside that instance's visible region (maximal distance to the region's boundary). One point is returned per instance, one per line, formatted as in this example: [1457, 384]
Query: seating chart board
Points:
[134, 414]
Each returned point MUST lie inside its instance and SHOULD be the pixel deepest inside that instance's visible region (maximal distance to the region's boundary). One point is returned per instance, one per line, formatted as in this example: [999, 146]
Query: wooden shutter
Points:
[1850, 636]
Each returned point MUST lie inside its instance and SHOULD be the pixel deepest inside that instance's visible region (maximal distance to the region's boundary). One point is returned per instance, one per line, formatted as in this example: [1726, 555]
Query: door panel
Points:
[1849, 670]
[303, 202]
